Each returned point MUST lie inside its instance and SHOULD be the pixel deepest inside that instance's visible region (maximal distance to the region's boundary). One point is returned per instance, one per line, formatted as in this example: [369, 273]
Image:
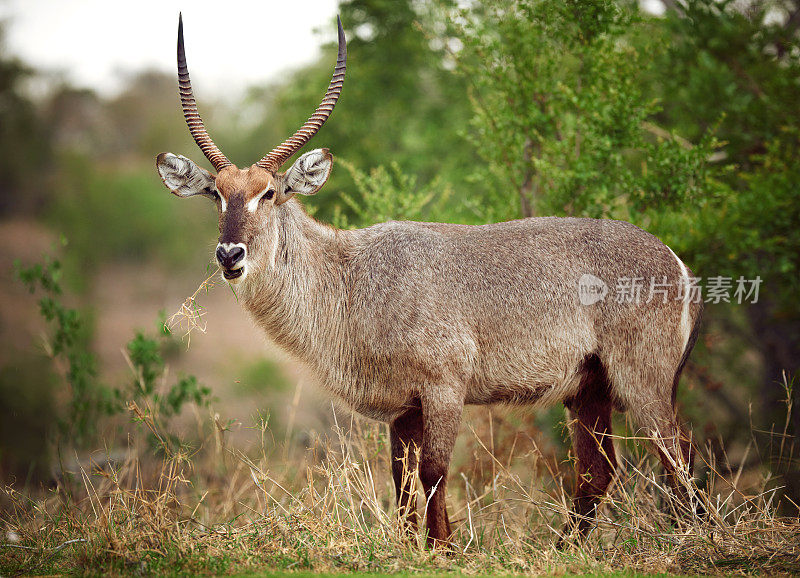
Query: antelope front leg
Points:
[405, 435]
[441, 417]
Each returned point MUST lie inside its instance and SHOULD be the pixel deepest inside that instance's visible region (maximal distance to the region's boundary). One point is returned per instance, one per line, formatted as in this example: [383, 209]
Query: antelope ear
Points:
[307, 175]
[183, 177]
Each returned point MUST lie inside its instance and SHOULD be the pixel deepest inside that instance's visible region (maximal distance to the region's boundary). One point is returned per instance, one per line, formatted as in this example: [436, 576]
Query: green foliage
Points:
[769, 213]
[392, 194]
[737, 70]
[89, 399]
[559, 117]
[262, 376]
[146, 357]
[725, 58]
[25, 147]
[119, 214]
[400, 104]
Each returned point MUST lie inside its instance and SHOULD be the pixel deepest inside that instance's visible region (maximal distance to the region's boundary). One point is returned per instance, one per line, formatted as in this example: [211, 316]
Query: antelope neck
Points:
[300, 278]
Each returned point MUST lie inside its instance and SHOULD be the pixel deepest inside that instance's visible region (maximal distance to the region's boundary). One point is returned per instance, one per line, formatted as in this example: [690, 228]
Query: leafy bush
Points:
[89, 400]
[392, 194]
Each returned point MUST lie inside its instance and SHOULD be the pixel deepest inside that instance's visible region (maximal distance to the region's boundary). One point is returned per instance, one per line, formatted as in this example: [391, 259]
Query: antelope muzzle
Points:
[231, 258]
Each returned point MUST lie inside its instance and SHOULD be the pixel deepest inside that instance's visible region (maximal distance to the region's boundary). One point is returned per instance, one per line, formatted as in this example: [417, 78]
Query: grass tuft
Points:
[330, 508]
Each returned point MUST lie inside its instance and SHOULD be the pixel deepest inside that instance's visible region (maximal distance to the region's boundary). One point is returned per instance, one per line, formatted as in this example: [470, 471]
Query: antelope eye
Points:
[269, 194]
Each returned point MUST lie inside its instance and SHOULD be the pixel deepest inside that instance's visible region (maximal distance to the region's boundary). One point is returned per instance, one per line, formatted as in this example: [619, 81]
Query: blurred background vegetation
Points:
[684, 123]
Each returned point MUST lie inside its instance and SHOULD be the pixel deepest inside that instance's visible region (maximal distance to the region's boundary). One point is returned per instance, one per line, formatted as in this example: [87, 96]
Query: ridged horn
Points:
[277, 156]
[196, 126]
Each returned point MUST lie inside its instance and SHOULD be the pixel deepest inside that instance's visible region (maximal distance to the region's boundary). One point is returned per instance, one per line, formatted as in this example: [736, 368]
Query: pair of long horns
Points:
[273, 160]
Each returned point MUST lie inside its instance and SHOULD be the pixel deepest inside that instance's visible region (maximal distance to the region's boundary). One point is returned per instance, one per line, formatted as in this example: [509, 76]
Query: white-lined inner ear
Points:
[309, 172]
[184, 178]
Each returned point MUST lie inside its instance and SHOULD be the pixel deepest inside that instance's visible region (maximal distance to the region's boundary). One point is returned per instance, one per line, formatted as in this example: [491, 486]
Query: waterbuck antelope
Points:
[406, 322]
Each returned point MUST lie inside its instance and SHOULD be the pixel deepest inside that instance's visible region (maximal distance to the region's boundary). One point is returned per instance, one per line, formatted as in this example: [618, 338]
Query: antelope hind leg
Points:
[590, 428]
[441, 412]
[405, 434]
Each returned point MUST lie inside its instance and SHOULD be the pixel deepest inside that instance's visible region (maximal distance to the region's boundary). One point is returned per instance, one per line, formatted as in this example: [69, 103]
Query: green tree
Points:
[559, 118]
[400, 104]
[24, 139]
[736, 65]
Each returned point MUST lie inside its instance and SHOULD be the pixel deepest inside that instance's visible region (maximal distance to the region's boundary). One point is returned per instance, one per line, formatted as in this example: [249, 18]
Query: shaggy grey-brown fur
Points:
[406, 322]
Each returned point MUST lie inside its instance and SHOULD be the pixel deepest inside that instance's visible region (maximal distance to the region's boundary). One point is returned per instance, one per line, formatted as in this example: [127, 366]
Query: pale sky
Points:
[230, 44]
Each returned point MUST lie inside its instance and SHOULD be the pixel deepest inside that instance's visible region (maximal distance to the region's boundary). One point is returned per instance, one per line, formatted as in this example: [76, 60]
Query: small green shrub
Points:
[90, 400]
[392, 194]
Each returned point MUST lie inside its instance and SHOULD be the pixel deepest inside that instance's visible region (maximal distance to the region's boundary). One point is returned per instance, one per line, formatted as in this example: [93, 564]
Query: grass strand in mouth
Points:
[191, 312]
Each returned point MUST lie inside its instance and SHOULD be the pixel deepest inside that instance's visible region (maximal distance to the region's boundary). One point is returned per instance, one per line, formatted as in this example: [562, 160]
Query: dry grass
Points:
[330, 508]
[189, 317]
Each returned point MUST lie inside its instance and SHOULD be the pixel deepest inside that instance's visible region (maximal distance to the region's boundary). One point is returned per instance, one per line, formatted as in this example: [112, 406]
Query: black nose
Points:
[228, 258]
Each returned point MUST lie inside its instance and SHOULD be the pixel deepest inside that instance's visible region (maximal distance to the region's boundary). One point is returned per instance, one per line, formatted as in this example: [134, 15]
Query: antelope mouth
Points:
[232, 273]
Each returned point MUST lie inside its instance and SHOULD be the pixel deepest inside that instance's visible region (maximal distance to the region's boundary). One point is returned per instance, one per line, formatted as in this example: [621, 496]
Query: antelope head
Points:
[246, 198]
